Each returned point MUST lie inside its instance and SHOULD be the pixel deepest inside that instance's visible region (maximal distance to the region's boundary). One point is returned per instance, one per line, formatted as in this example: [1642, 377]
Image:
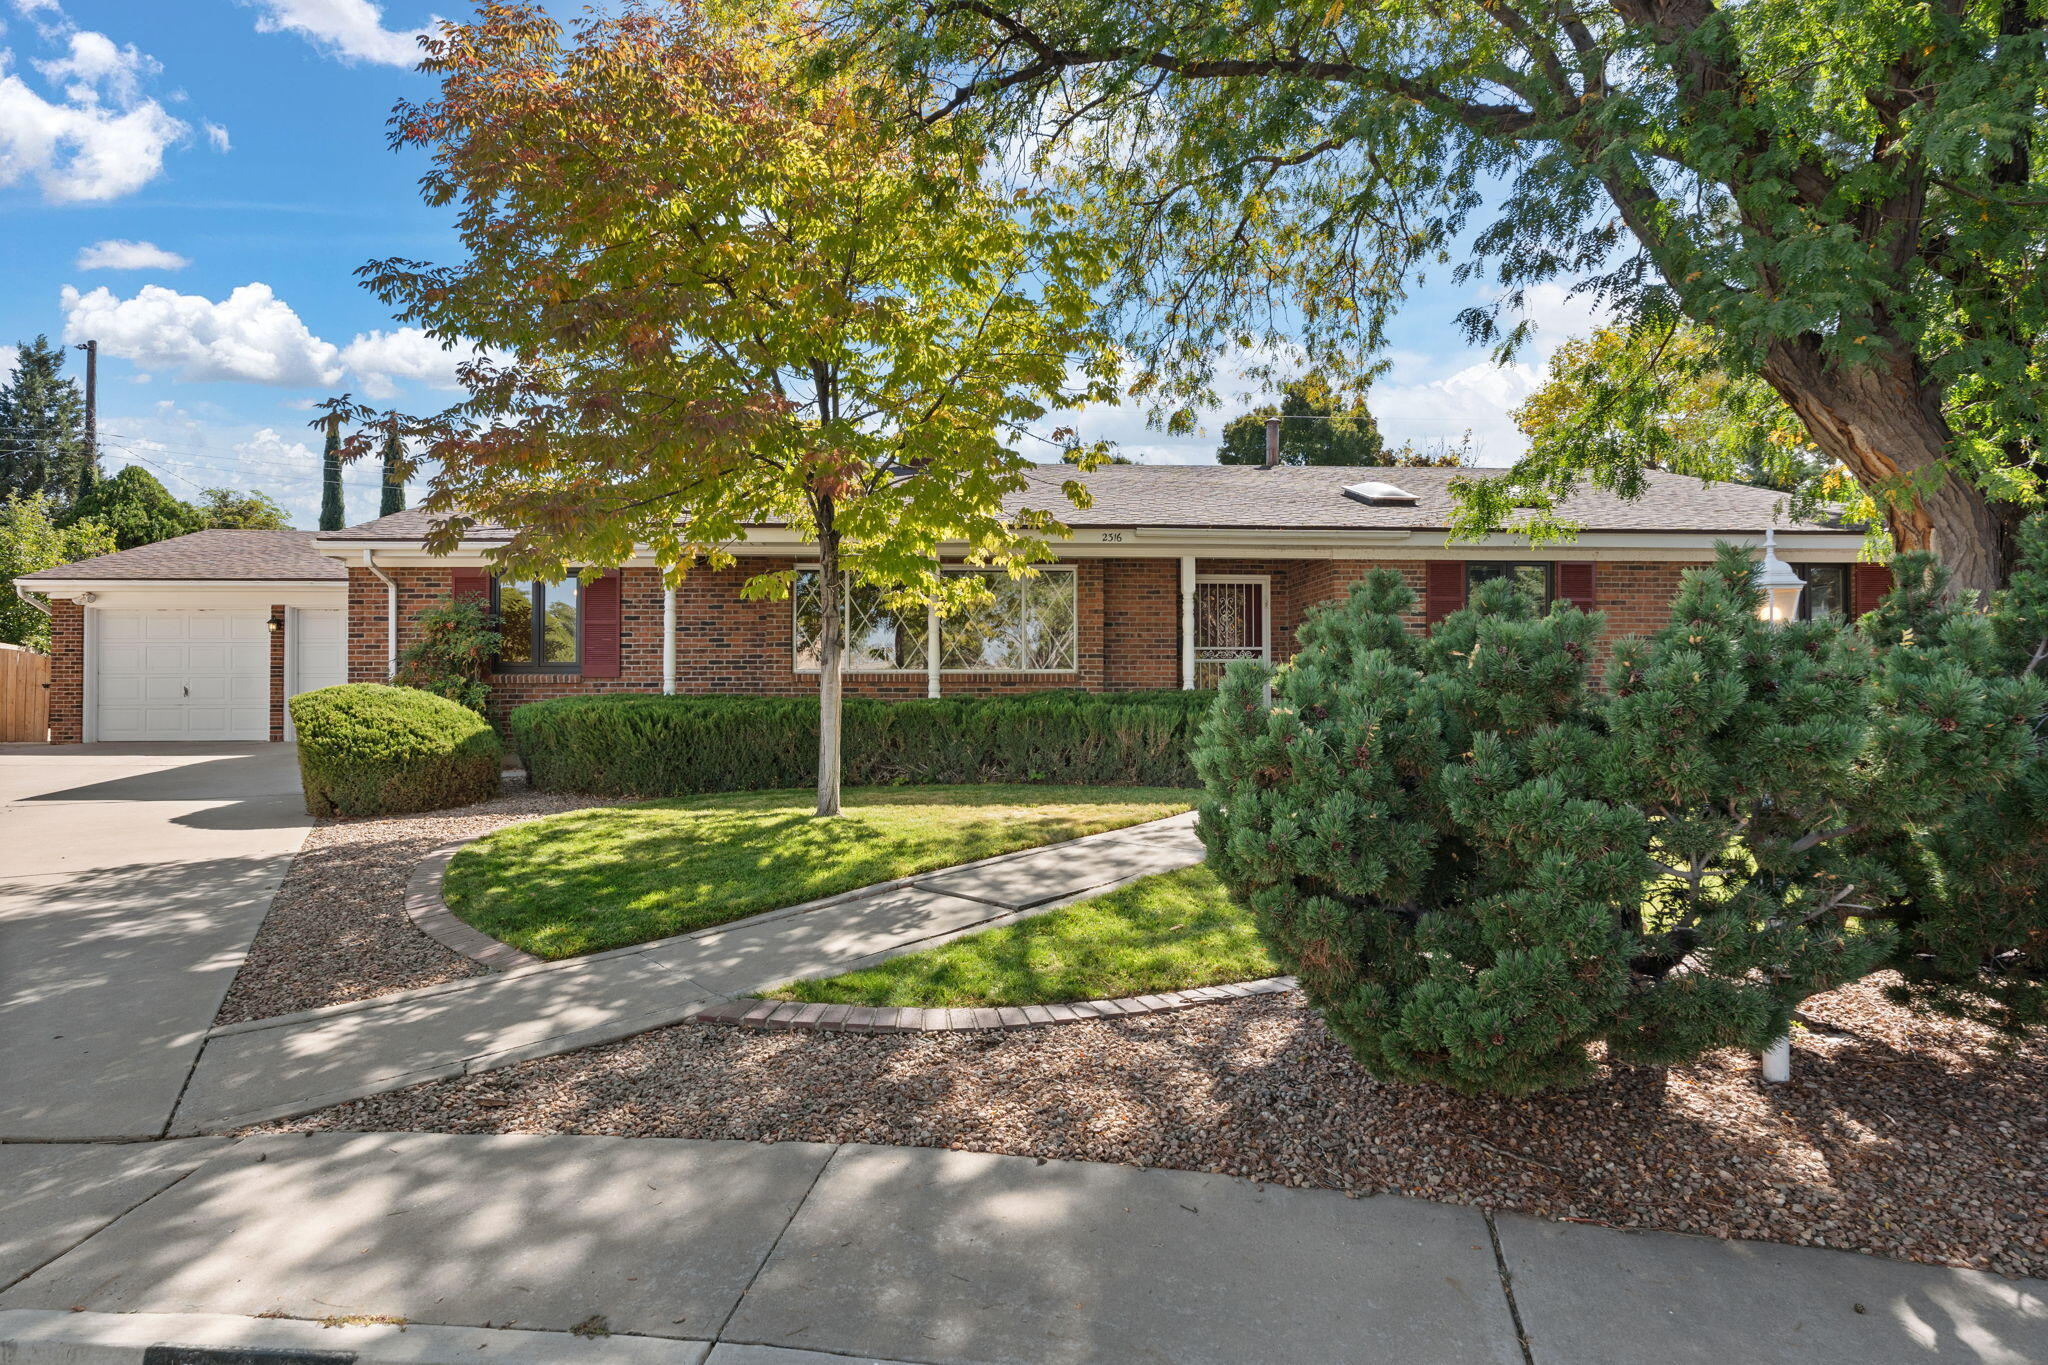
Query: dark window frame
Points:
[537, 627]
[1511, 566]
[1847, 579]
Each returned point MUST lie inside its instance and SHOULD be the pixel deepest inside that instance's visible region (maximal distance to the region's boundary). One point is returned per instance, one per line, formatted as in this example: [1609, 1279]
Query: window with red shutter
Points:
[1868, 584]
[1576, 584]
[1443, 588]
[601, 620]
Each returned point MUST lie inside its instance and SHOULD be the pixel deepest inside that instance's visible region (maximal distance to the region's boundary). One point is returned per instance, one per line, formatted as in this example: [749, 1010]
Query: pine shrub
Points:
[368, 749]
[1973, 922]
[643, 745]
[1488, 874]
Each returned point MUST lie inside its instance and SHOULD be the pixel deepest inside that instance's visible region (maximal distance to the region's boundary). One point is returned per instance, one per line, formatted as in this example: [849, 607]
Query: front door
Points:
[1231, 623]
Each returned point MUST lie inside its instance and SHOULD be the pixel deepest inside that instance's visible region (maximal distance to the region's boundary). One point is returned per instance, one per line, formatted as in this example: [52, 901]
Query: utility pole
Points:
[89, 473]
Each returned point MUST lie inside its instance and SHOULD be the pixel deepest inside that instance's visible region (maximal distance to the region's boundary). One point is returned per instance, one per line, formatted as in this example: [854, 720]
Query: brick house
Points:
[1171, 573]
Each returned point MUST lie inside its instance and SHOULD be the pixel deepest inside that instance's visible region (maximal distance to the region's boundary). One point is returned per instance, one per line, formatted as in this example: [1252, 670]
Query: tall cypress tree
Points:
[394, 474]
[42, 426]
[333, 513]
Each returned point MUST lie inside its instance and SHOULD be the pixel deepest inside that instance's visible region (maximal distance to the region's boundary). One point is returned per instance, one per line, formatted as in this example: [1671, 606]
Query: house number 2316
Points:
[1112, 537]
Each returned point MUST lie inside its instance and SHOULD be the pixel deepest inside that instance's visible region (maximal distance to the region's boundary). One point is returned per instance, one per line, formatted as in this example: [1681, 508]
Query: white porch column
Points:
[668, 641]
[931, 649]
[1187, 623]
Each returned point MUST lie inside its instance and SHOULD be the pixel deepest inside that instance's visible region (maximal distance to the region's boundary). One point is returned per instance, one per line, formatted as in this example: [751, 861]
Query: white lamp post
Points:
[1781, 586]
[1780, 582]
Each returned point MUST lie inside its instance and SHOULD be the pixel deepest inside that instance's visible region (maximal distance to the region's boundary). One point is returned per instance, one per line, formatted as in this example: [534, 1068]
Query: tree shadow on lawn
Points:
[612, 876]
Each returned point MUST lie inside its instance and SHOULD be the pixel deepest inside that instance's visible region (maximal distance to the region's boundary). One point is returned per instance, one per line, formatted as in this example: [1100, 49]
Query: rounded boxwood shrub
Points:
[647, 745]
[367, 749]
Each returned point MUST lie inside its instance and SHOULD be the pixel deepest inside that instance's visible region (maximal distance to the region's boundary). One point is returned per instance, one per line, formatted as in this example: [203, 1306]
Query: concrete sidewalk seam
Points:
[1507, 1285]
[718, 1334]
[47, 1261]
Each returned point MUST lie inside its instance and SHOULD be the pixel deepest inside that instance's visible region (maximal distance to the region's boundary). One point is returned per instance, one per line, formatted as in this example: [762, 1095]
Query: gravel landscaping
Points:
[337, 930]
[1899, 1136]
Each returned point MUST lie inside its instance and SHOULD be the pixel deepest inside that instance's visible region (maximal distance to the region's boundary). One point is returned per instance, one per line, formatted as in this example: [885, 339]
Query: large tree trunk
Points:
[831, 652]
[1884, 422]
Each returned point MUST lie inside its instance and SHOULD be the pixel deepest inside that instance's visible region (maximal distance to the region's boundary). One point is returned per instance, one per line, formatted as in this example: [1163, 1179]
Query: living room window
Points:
[541, 624]
[1827, 591]
[1028, 626]
[1534, 577]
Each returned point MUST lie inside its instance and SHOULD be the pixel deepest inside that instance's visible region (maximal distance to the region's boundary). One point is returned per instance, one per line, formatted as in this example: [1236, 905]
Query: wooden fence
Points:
[24, 694]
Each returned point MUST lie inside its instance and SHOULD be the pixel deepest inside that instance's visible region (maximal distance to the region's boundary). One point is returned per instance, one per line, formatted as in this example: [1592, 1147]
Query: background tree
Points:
[1318, 428]
[1479, 868]
[236, 509]
[136, 509]
[391, 498]
[333, 498]
[42, 425]
[30, 540]
[1660, 398]
[726, 298]
[1851, 197]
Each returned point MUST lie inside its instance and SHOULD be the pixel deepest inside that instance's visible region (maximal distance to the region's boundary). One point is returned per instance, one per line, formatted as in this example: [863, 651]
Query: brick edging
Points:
[790, 1014]
[431, 916]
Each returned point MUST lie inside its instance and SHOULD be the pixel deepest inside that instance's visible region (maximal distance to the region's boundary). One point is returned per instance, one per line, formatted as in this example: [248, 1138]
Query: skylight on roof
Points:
[1375, 494]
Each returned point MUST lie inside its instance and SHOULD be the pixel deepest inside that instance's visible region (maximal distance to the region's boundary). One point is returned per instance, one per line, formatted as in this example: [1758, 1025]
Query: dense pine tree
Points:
[42, 426]
[1974, 928]
[333, 508]
[1480, 867]
[393, 497]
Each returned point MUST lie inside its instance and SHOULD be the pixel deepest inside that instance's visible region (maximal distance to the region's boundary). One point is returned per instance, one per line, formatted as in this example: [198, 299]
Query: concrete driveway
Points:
[132, 878]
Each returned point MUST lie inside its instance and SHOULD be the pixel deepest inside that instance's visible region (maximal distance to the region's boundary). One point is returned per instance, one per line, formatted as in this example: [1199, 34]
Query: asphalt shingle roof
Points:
[282, 556]
[1311, 498]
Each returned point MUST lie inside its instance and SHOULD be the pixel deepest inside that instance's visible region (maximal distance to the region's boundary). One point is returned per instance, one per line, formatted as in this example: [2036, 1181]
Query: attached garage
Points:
[182, 674]
[201, 638]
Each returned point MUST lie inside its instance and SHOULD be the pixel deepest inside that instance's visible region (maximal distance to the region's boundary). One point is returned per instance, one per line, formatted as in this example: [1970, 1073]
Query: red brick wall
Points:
[67, 672]
[277, 613]
[1129, 627]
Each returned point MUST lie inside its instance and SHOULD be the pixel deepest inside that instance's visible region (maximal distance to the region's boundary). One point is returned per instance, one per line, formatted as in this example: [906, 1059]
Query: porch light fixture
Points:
[276, 624]
[1780, 582]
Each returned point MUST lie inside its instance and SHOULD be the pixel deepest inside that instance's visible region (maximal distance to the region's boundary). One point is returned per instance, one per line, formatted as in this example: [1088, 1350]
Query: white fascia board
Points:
[214, 595]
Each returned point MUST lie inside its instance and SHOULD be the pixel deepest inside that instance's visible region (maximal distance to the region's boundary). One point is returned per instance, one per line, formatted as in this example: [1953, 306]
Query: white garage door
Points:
[319, 649]
[183, 674]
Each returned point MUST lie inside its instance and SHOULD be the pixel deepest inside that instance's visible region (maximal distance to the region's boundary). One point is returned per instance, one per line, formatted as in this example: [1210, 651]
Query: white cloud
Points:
[103, 140]
[96, 65]
[1477, 398]
[382, 359]
[251, 335]
[352, 29]
[118, 254]
[216, 137]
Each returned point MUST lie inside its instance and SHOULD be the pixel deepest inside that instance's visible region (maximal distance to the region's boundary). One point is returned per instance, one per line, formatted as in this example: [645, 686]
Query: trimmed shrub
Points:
[640, 745]
[368, 749]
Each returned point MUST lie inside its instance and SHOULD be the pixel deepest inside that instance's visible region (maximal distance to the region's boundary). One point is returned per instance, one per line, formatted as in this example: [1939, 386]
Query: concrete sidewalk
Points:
[275, 1068]
[421, 1247]
[132, 879]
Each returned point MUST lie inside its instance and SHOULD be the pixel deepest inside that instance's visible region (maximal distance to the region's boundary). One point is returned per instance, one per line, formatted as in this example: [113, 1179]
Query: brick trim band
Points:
[787, 1014]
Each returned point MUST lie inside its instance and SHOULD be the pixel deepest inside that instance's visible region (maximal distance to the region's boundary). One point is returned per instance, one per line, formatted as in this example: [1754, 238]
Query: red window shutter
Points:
[1868, 583]
[600, 625]
[471, 585]
[1575, 584]
[1443, 588]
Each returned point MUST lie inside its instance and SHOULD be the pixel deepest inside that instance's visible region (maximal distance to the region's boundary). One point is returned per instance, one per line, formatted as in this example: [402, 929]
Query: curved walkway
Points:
[276, 1068]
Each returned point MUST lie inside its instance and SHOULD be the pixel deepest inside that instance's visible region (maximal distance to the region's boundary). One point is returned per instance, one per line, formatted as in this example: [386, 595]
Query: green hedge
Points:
[367, 749]
[639, 745]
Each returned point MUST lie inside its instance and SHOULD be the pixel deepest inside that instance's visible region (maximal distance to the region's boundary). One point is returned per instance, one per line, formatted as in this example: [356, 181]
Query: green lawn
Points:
[608, 877]
[1163, 933]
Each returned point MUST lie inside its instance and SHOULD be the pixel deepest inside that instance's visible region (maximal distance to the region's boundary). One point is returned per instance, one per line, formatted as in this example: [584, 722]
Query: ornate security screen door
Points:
[1230, 624]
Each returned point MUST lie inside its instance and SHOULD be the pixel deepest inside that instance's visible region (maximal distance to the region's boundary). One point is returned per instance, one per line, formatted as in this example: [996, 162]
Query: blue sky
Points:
[194, 184]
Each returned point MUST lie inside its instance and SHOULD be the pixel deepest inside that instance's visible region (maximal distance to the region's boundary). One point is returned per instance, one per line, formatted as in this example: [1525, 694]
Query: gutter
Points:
[390, 614]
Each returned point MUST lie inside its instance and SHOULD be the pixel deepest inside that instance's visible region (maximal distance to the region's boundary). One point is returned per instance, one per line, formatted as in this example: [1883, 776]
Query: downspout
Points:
[41, 604]
[668, 641]
[390, 614]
